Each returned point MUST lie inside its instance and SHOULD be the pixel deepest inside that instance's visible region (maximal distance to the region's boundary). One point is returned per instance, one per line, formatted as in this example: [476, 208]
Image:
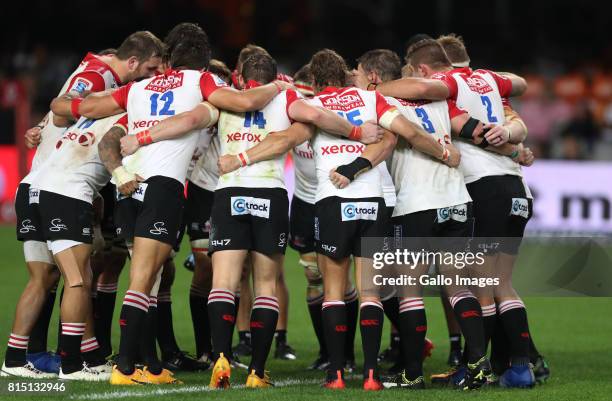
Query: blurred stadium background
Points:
[562, 48]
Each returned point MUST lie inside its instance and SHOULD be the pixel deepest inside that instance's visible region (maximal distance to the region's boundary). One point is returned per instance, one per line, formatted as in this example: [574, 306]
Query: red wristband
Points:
[445, 155]
[144, 137]
[74, 107]
[244, 159]
[355, 134]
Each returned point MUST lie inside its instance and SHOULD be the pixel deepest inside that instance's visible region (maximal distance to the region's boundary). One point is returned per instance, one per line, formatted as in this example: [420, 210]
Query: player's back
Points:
[239, 132]
[305, 172]
[77, 82]
[331, 151]
[480, 93]
[422, 182]
[151, 101]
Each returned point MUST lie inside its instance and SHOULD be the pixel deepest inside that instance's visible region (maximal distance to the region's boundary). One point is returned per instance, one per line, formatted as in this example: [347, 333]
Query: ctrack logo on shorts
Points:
[139, 193]
[57, 225]
[34, 195]
[520, 207]
[242, 205]
[26, 226]
[359, 211]
[159, 228]
[457, 213]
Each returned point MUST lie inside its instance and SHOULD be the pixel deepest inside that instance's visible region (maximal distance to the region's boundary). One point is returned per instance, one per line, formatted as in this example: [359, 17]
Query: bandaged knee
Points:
[311, 266]
[199, 245]
[37, 251]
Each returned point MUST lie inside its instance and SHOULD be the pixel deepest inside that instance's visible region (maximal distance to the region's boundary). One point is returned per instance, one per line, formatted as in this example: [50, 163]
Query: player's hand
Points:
[33, 137]
[227, 164]
[338, 179]
[525, 157]
[129, 145]
[284, 85]
[371, 132]
[130, 187]
[497, 135]
[454, 156]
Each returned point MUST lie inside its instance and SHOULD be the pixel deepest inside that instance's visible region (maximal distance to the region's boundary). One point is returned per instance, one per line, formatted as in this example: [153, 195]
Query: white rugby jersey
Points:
[154, 99]
[74, 169]
[93, 75]
[331, 151]
[480, 93]
[388, 187]
[205, 173]
[423, 182]
[204, 137]
[305, 173]
[239, 132]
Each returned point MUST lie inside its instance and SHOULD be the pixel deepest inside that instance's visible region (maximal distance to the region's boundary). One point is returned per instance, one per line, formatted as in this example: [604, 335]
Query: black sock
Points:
[199, 317]
[222, 316]
[469, 316]
[352, 315]
[244, 336]
[371, 324]
[335, 328]
[165, 326]
[500, 348]
[413, 328]
[131, 321]
[91, 352]
[533, 351]
[15, 355]
[489, 316]
[59, 323]
[148, 344]
[391, 307]
[38, 335]
[70, 346]
[455, 341]
[514, 318]
[280, 336]
[103, 308]
[314, 309]
[264, 317]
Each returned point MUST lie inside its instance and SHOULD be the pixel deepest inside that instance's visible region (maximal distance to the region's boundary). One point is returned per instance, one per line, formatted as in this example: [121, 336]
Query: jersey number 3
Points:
[167, 99]
[425, 121]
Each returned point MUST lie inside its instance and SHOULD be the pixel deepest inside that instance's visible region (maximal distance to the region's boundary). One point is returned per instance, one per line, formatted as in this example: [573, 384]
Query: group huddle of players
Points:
[431, 149]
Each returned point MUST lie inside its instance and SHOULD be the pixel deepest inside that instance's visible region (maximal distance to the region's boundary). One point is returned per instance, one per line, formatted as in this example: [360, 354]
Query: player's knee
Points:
[311, 268]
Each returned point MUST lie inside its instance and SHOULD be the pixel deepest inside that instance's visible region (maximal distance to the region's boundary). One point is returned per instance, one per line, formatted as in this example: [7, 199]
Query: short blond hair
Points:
[454, 46]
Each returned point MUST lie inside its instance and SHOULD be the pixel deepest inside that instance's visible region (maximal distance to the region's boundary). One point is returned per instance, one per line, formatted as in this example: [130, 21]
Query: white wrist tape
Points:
[122, 176]
[213, 112]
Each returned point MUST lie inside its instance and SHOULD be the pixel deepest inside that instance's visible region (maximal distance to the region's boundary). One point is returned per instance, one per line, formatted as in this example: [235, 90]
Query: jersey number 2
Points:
[167, 98]
[487, 103]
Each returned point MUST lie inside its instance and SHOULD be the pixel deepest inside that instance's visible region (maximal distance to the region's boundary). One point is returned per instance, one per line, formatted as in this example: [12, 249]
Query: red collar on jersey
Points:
[329, 89]
[251, 83]
[464, 70]
[93, 57]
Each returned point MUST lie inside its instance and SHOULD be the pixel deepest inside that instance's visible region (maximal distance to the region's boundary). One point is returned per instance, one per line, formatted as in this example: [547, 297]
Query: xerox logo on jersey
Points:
[163, 83]
[144, 124]
[520, 207]
[81, 85]
[345, 101]
[248, 205]
[336, 149]
[478, 84]
[457, 213]
[243, 136]
[359, 211]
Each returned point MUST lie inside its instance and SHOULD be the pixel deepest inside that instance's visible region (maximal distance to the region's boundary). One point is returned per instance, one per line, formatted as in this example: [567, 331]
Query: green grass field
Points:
[573, 333]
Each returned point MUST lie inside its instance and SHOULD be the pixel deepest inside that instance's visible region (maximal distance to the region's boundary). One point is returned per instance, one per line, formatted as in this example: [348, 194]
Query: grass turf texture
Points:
[573, 333]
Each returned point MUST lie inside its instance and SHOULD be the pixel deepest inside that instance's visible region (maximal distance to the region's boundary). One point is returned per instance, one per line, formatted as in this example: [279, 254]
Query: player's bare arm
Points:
[203, 115]
[414, 88]
[332, 123]
[109, 151]
[372, 155]
[421, 140]
[519, 84]
[274, 145]
[95, 105]
[248, 100]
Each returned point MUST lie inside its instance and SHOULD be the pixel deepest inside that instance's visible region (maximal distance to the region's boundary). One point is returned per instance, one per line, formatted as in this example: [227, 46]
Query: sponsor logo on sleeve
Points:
[81, 85]
[242, 205]
[457, 213]
[34, 195]
[520, 207]
[359, 211]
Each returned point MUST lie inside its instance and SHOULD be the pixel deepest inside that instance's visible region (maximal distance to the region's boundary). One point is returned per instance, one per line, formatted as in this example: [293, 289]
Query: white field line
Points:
[147, 391]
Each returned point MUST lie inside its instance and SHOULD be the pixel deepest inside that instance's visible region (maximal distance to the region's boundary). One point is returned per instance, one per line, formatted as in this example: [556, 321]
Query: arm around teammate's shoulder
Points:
[415, 89]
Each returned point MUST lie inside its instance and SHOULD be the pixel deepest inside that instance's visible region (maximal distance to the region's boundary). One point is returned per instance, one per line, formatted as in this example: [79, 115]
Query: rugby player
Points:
[502, 201]
[242, 219]
[334, 250]
[137, 57]
[421, 203]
